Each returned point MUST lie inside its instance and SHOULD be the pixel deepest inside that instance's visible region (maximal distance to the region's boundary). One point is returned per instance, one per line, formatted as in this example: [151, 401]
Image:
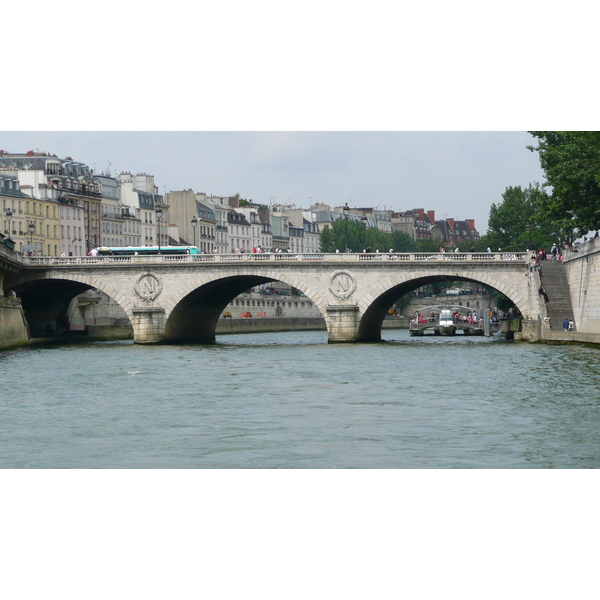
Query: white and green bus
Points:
[145, 250]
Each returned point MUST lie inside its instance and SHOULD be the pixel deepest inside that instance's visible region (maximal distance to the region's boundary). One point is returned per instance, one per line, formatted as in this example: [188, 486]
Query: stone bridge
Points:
[180, 298]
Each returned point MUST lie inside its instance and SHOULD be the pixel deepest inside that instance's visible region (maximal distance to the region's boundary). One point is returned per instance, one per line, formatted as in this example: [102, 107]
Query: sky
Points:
[412, 106]
[457, 174]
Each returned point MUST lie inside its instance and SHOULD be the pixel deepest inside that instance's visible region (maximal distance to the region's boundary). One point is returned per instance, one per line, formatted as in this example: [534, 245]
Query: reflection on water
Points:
[291, 400]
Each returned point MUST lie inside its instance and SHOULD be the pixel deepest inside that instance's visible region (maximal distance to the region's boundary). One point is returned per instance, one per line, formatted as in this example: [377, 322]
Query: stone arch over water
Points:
[192, 311]
[375, 304]
[46, 297]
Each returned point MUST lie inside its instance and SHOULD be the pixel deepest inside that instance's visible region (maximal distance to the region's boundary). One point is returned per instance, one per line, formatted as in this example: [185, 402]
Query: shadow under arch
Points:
[45, 303]
[194, 318]
[46, 300]
[369, 328]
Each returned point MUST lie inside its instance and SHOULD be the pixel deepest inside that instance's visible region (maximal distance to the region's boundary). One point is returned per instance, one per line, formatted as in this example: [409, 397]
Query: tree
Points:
[326, 240]
[334, 237]
[428, 245]
[571, 163]
[402, 242]
[516, 223]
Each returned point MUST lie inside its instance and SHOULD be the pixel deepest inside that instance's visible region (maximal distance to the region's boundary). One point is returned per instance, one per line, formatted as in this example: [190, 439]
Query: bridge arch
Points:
[192, 310]
[375, 304]
[46, 295]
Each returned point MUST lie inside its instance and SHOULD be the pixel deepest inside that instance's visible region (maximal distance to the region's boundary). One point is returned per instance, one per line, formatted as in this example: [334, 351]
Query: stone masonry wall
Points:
[13, 329]
[583, 273]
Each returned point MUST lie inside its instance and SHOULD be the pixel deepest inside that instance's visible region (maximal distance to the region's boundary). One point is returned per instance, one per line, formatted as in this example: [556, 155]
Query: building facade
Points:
[55, 181]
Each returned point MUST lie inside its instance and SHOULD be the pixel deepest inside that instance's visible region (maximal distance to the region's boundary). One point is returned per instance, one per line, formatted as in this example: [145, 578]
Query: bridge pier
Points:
[343, 323]
[148, 325]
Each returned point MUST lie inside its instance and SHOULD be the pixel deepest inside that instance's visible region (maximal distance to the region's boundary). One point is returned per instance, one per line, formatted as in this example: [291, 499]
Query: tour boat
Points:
[446, 324]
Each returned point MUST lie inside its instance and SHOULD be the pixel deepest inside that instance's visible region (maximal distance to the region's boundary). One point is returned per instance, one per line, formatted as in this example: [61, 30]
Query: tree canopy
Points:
[516, 223]
[571, 163]
[358, 237]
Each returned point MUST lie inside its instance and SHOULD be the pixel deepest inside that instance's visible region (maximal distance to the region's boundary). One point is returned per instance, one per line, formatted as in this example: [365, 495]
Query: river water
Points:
[291, 400]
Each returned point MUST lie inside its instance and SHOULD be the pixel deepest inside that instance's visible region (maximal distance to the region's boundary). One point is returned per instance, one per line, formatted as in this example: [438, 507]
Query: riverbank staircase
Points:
[555, 282]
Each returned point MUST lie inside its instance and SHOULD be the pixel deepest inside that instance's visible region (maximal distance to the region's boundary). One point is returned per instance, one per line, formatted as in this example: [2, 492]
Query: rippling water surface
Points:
[293, 401]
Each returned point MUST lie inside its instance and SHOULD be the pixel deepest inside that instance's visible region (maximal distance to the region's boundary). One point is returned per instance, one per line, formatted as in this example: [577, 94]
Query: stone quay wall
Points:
[267, 325]
[583, 273]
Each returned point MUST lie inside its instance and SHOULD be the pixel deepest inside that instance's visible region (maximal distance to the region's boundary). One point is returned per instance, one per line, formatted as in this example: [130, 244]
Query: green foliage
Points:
[351, 233]
[501, 301]
[571, 163]
[360, 237]
[402, 242]
[326, 239]
[518, 222]
[428, 245]
[403, 302]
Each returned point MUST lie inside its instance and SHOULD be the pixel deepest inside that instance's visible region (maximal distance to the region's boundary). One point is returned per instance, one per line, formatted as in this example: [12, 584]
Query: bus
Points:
[145, 250]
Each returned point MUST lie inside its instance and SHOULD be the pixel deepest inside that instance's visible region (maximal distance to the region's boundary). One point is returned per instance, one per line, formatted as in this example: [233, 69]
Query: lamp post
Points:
[9, 219]
[194, 225]
[159, 214]
[31, 228]
[346, 210]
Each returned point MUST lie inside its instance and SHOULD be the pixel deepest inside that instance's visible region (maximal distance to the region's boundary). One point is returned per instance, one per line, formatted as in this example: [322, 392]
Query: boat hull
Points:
[446, 329]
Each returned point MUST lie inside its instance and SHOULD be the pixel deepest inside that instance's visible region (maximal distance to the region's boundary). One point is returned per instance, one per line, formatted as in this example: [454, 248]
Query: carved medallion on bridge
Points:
[342, 285]
[148, 287]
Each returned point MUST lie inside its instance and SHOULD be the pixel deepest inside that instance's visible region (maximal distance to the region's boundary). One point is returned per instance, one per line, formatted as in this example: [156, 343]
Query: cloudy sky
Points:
[457, 174]
[392, 106]
[396, 106]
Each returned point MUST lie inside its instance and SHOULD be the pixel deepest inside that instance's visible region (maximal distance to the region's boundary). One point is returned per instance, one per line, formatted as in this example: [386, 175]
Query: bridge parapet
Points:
[273, 257]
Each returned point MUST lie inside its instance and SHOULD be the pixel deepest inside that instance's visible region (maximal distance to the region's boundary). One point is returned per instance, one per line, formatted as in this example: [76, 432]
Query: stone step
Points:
[556, 285]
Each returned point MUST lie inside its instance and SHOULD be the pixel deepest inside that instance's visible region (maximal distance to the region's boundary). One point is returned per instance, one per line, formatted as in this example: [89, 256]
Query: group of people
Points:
[462, 318]
[366, 250]
[457, 316]
[568, 324]
[553, 254]
[541, 254]
[261, 250]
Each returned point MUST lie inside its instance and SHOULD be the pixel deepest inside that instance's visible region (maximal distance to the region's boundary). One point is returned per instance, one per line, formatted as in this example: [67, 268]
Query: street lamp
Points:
[346, 210]
[9, 219]
[194, 225]
[159, 214]
[31, 228]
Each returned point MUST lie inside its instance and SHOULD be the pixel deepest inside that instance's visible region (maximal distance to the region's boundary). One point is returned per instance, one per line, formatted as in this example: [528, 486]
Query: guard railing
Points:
[276, 257]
